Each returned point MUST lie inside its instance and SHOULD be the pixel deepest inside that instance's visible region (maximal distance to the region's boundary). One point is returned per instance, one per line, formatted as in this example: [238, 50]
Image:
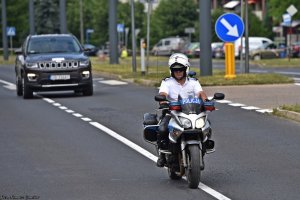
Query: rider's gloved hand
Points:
[163, 105]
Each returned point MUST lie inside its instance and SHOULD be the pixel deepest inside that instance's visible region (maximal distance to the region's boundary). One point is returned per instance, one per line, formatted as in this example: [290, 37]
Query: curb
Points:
[289, 114]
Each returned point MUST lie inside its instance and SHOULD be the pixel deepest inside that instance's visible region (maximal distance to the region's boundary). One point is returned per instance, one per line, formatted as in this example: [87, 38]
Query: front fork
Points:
[184, 145]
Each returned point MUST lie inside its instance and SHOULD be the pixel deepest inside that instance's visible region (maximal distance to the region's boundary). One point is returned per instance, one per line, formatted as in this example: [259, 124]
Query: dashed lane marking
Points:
[245, 107]
[132, 145]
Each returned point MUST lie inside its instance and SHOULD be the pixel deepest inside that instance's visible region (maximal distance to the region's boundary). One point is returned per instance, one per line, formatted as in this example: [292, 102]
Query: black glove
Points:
[163, 105]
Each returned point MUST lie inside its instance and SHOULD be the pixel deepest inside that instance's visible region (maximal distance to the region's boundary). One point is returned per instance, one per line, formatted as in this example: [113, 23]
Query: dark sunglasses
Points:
[178, 70]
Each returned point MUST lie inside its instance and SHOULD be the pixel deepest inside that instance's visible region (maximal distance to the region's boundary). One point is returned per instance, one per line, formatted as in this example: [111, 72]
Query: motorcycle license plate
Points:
[60, 77]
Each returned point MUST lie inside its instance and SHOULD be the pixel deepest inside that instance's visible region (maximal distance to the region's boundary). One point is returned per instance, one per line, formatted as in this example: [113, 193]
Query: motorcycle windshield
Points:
[191, 105]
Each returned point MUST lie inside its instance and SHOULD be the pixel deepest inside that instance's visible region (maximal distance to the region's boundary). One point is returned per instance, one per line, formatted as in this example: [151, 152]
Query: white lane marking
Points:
[86, 119]
[298, 84]
[98, 79]
[63, 107]
[113, 82]
[77, 115]
[265, 110]
[8, 85]
[250, 108]
[125, 141]
[57, 104]
[69, 111]
[138, 149]
[212, 192]
[48, 100]
[236, 104]
[223, 101]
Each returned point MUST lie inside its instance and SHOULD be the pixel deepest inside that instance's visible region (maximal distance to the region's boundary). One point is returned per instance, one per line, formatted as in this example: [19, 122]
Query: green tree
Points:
[278, 7]
[47, 16]
[17, 16]
[124, 17]
[171, 18]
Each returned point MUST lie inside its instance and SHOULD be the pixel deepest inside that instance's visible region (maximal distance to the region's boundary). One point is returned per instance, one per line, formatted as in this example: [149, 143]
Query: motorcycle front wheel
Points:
[193, 171]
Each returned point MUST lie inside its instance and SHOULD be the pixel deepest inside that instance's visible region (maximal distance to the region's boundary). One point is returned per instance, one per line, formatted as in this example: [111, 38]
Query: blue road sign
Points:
[10, 31]
[120, 28]
[229, 27]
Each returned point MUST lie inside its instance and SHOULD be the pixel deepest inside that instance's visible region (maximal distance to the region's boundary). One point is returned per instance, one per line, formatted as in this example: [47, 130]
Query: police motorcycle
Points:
[189, 133]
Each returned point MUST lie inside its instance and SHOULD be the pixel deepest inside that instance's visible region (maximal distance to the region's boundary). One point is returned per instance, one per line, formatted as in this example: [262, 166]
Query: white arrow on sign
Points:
[232, 30]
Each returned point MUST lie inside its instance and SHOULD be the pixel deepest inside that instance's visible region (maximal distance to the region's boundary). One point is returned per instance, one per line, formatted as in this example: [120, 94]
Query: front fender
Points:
[191, 142]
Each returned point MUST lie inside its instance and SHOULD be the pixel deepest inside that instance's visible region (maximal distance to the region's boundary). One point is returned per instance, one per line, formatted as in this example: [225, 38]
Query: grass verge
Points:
[156, 73]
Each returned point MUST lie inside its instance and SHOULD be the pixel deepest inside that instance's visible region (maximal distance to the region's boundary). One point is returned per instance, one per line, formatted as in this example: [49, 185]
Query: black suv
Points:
[52, 62]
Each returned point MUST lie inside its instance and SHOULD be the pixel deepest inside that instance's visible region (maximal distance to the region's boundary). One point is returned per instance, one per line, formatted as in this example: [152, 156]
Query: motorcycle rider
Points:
[170, 87]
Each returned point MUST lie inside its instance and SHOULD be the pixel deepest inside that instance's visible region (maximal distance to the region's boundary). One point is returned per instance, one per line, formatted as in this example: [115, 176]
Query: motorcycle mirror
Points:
[160, 97]
[219, 96]
[192, 74]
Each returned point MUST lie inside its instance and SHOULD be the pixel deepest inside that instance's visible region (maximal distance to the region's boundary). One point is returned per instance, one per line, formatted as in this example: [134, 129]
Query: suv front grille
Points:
[58, 65]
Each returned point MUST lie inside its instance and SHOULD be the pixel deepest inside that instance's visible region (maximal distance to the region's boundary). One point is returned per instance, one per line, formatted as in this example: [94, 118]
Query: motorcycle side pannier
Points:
[150, 119]
[150, 127]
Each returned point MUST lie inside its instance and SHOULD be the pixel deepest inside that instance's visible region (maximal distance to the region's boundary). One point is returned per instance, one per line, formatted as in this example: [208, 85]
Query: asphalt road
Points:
[62, 146]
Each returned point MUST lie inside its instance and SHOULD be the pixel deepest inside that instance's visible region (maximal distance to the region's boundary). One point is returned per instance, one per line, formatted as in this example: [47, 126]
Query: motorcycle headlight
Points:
[185, 122]
[200, 122]
[31, 65]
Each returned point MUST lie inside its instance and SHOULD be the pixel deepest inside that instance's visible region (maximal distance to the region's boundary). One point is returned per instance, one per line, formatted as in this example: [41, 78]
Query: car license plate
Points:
[60, 77]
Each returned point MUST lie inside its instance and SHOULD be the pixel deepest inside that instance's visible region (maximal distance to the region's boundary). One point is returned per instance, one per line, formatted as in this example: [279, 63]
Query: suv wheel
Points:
[27, 92]
[19, 87]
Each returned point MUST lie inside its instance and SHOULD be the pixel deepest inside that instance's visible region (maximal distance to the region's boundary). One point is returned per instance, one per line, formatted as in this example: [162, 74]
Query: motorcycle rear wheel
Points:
[193, 171]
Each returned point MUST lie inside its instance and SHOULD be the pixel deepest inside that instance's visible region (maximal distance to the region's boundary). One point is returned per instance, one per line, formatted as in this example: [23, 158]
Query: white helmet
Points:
[179, 60]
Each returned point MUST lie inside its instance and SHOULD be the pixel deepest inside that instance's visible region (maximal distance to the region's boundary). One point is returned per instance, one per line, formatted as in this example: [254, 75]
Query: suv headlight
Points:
[31, 65]
[84, 63]
[185, 122]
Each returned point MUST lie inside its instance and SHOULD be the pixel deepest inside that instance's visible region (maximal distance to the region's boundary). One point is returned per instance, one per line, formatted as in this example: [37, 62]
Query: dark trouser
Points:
[163, 132]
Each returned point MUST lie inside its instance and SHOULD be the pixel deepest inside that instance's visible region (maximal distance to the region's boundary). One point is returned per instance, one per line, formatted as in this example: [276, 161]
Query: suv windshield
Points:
[38, 45]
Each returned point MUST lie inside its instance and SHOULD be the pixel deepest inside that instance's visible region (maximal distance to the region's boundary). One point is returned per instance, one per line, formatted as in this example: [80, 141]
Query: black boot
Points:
[161, 161]
[210, 145]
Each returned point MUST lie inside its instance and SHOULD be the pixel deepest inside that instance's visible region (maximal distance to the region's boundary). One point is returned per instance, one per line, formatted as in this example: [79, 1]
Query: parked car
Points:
[90, 49]
[51, 62]
[266, 51]
[167, 46]
[217, 50]
[254, 43]
[189, 49]
[295, 47]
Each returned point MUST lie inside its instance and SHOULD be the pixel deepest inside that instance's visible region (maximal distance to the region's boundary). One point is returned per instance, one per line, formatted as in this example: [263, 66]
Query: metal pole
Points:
[31, 17]
[246, 38]
[242, 66]
[205, 38]
[113, 34]
[81, 22]
[133, 37]
[148, 31]
[62, 15]
[4, 36]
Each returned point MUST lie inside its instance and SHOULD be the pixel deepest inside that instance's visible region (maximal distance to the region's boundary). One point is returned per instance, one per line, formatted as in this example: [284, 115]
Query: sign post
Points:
[11, 31]
[287, 19]
[229, 27]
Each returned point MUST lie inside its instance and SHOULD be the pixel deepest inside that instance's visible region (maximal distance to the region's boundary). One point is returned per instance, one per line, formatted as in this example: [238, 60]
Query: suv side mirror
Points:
[18, 51]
